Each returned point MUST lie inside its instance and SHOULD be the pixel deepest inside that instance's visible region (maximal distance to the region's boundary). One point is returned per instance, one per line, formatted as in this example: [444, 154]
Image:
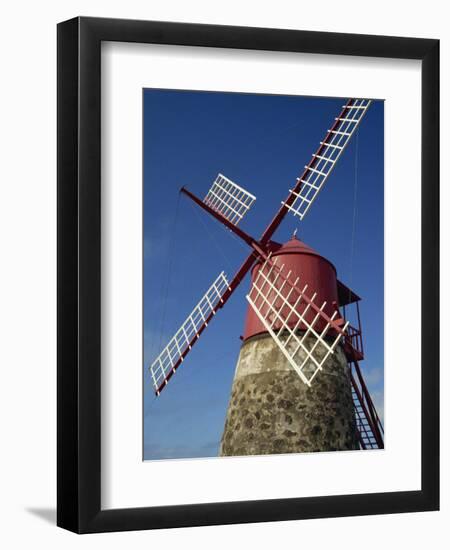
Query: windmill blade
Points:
[301, 329]
[229, 199]
[167, 362]
[368, 423]
[316, 173]
[171, 357]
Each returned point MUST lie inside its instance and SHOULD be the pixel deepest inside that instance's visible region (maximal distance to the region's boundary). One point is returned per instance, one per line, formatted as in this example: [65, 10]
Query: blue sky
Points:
[262, 143]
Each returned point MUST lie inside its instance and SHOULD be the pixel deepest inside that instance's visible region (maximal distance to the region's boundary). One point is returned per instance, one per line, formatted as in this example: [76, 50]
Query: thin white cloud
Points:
[378, 401]
[154, 451]
[373, 376]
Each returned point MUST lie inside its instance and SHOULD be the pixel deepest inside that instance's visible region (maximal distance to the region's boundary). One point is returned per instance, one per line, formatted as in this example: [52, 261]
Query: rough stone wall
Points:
[272, 411]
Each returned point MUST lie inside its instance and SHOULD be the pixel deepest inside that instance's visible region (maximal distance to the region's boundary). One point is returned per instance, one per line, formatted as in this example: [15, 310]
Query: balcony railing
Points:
[353, 344]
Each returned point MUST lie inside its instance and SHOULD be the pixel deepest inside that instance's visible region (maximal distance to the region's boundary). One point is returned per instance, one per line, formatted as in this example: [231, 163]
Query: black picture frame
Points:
[79, 279]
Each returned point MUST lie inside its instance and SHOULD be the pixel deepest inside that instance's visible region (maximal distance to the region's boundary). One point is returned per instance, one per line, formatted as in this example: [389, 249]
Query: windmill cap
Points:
[295, 246]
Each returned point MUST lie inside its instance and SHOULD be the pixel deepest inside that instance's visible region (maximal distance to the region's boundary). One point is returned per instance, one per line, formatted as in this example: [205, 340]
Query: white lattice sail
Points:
[323, 162]
[229, 199]
[173, 354]
[299, 327]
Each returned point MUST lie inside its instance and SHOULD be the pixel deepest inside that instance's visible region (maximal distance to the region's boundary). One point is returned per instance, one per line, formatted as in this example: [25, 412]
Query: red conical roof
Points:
[295, 246]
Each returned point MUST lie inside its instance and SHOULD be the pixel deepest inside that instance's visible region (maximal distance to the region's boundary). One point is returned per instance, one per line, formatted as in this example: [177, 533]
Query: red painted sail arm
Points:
[234, 283]
[215, 214]
[279, 217]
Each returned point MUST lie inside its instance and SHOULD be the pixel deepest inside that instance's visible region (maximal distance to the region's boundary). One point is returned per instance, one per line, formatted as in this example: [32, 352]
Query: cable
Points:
[211, 236]
[229, 232]
[355, 192]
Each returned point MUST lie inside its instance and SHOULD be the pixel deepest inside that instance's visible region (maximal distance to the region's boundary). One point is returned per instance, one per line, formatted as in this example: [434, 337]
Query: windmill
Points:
[298, 385]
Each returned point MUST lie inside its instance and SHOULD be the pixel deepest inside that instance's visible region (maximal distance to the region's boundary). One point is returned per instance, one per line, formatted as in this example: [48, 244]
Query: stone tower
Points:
[271, 410]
